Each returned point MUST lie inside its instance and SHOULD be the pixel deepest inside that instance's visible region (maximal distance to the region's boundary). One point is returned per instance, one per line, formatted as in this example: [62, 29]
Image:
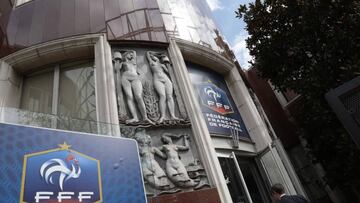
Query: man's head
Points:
[277, 190]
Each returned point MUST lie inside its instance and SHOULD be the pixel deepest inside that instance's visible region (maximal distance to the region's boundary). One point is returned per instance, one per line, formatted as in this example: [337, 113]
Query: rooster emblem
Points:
[211, 93]
[52, 166]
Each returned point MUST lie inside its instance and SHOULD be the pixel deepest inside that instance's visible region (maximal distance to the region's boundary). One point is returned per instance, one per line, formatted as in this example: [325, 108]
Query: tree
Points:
[311, 46]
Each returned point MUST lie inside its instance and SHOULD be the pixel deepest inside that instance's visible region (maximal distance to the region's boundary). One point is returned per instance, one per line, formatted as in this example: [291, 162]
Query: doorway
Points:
[244, 180]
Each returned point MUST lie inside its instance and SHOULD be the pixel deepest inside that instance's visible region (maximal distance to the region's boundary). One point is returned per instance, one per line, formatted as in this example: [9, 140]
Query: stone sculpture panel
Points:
[147, 92]
[152, 112]
[169, 159]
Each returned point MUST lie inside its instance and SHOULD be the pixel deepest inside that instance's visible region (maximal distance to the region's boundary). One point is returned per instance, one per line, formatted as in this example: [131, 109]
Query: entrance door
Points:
[243, 180]
[271, 163]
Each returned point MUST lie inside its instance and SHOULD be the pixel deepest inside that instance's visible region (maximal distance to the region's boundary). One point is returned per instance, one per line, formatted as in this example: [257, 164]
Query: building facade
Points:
[149, 70]
[279, 108]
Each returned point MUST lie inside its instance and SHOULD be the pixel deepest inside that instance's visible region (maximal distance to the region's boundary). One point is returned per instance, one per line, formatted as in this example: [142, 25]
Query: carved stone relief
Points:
[175, 169]
[129, 81]
[147, 93]
[152, 172]
[148, 97]
[162, 83]
[169, 160]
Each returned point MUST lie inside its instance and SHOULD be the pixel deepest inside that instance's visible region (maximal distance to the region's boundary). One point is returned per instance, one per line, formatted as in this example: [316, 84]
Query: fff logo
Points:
[214, 98]
[60, 175]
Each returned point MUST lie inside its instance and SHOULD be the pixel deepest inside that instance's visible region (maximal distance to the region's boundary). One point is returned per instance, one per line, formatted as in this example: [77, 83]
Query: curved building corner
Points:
[155, 71]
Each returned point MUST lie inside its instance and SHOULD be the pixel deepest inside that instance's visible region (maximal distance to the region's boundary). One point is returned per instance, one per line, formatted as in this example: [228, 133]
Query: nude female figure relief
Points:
[175, 169]
[162, 84]
[131, 84]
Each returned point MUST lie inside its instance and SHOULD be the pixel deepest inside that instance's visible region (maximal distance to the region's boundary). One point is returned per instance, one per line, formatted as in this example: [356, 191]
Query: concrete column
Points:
[10, 86]
[111, 88]
[105, 89]
[199, 127]
[244, 103]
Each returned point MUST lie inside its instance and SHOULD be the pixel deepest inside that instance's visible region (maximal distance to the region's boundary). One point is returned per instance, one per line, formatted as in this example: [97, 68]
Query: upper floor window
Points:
[66, 90]
[77, 91]
[37, 92]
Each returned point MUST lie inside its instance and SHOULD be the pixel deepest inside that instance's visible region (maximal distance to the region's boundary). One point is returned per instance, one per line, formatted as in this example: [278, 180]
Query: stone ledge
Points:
[204, 56]
[199, 196]
[52, 52]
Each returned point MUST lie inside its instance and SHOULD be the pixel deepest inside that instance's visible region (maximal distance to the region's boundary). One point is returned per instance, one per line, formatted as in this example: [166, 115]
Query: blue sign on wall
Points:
[43, 165]
[214, 98]
[216, 103]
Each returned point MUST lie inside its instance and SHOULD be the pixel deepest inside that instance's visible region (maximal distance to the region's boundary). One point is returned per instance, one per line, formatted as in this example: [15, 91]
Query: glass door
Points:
[243, 180]
[233, 180]
[269, 160]
[256, 186]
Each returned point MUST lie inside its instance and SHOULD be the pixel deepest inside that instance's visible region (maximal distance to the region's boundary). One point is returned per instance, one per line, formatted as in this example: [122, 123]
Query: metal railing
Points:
[22, 117]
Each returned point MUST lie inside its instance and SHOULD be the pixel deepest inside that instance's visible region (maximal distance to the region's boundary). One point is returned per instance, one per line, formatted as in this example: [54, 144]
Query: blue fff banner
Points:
[48, 166]
[217, 105]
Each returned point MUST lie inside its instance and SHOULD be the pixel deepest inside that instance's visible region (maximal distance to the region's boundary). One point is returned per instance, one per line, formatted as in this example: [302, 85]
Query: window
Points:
[77, 92]
[37, 92]
[65, 90]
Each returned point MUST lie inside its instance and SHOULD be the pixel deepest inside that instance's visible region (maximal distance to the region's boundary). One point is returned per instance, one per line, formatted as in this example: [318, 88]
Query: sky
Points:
[233, 29]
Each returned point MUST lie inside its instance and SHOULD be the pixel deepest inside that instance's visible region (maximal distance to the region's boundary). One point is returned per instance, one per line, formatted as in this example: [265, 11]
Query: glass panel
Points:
[144, 36]
[139, 4]
[52, 20]
[193, 21]
[126, 6]
[164, 6]
[22, 35]
[276, 171]
[13, 27]
[67, 18]
[253, 181]
[116, 27]
[37, 25]
[112, 9]
[233, 180]
[82, 17]
[77, 92]
[271, 168]
[97, 15]
[151, 3]
[140, 18]
[160, 36]
[37, 93]
[132, 22]
[155, 18]
[169, 23]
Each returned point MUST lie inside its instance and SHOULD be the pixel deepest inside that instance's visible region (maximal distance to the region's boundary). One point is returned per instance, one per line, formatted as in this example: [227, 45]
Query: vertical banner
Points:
[217, 105]
[43, 165]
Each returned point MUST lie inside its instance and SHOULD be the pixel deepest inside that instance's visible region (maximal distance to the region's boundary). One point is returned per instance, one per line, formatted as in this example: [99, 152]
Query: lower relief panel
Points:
[169, 159]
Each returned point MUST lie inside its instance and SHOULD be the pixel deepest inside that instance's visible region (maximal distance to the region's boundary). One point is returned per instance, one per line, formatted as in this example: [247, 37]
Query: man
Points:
[278, 194]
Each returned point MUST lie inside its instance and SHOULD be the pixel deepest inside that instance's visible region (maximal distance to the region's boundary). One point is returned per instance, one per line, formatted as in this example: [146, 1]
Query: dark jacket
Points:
[293, 199]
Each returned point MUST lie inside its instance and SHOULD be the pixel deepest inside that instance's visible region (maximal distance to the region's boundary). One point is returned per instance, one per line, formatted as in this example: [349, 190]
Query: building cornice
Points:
[196, 53]
[54, 51]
